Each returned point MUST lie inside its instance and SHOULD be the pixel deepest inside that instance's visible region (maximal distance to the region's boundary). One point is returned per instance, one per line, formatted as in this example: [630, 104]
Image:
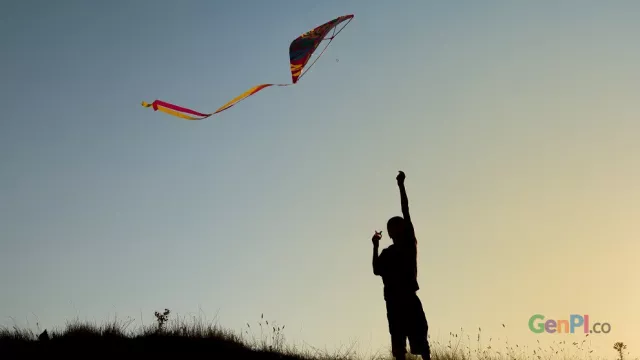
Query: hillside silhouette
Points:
[174, 337]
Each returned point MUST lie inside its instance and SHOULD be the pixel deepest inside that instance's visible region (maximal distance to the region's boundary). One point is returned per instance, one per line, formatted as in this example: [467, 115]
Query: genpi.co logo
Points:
[538, 325]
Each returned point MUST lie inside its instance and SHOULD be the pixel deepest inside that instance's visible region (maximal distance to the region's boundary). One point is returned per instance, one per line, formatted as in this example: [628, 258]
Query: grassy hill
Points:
[194, 338]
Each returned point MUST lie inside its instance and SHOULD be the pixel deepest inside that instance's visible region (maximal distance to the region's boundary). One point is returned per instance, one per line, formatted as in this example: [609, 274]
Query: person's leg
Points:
[419, 330]
[399, 346]
[427, 354]
[419, 345]
[396, 329]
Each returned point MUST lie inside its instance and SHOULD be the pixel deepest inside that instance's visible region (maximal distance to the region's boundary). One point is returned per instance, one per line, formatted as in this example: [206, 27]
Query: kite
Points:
[300, 52]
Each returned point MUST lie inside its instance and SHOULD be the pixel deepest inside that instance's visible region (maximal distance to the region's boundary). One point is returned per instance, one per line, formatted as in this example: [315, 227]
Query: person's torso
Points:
[400, 274]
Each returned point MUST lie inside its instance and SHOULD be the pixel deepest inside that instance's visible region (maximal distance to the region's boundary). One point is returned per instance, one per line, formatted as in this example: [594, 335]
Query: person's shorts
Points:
[407, 320]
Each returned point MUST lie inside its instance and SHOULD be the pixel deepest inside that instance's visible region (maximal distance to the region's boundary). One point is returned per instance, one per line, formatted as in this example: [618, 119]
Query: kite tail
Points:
[185, 113]
[175, 110]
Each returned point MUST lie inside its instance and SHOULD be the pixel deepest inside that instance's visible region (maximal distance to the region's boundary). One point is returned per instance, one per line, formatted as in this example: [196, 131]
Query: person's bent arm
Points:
[376, 257]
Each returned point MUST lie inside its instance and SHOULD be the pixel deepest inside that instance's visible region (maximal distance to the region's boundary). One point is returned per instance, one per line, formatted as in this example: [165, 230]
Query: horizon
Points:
[516, 126]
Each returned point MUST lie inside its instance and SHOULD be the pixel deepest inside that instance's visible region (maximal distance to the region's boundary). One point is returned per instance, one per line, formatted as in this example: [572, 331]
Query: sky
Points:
[516, 124]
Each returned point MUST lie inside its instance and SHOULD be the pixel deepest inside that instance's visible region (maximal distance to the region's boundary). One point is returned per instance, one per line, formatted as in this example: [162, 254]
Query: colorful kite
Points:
[300, 51]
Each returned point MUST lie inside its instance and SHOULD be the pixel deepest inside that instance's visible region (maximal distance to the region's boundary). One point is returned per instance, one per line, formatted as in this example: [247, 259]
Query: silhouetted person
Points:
[397, 265]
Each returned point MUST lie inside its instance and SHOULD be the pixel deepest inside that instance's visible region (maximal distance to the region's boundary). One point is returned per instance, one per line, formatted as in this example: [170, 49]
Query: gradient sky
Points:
[515, 122]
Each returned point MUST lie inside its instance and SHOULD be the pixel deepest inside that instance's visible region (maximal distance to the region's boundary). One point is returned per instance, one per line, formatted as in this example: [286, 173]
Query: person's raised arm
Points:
[404, 200]
[404, 203]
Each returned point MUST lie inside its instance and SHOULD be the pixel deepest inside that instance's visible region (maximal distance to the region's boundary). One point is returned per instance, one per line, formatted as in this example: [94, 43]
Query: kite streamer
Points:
[300, 52]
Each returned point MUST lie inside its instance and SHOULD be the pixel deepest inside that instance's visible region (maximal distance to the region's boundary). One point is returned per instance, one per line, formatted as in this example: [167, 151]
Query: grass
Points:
[176, 336]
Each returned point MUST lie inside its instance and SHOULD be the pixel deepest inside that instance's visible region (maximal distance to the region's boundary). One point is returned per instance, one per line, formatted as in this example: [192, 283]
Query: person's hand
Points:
[376, 238]
[400, 178]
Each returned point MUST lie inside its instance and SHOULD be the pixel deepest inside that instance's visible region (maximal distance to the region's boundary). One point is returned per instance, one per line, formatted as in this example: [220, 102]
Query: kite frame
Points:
[307, 68]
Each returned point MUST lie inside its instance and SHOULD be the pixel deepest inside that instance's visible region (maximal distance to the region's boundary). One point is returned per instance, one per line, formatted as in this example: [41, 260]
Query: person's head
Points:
[395, 228]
